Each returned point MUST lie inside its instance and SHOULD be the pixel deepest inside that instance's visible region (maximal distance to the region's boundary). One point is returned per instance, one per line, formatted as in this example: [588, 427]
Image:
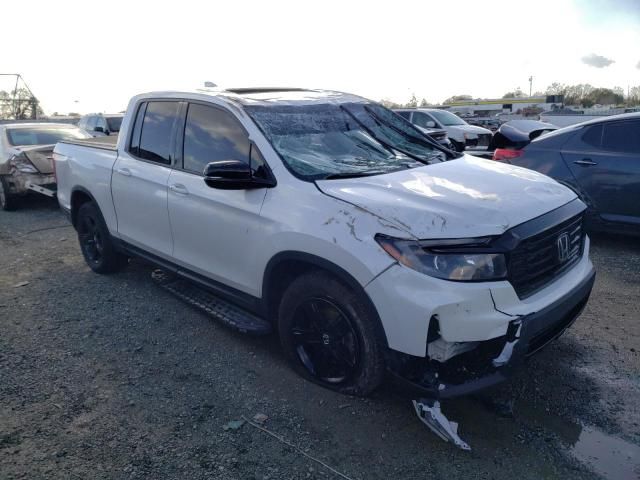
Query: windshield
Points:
[350, 139]
[42, 135]
[447, 118]
[114, 123]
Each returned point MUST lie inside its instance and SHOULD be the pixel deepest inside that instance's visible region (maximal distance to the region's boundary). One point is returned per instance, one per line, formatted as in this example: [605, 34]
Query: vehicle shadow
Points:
[36, 202]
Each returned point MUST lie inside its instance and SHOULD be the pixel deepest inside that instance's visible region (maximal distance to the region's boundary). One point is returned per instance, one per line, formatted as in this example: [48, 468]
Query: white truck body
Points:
[231, 236]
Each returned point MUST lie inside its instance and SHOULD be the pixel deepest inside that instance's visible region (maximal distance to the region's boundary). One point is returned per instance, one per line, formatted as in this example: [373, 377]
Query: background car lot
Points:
[111, 377]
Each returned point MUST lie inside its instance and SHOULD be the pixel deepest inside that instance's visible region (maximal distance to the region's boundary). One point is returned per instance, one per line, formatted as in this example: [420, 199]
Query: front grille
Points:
[484, 140]
[538, 260]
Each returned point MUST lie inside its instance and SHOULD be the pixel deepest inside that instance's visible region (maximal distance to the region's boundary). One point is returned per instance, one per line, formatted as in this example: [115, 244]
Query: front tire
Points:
[7, 200]
[457, 146]
[330, 335]
[95, 241]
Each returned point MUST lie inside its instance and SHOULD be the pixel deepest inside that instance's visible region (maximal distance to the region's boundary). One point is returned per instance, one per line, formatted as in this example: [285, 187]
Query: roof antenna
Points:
[210, 85]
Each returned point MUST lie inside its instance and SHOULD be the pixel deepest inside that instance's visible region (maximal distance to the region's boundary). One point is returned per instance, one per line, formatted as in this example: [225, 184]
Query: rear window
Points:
[157, 128]
[43, 135]
[622, 137]
[113, 123]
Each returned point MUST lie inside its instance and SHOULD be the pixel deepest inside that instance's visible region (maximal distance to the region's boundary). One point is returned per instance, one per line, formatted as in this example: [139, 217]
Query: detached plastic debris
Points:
[429, 413]
[233, 425]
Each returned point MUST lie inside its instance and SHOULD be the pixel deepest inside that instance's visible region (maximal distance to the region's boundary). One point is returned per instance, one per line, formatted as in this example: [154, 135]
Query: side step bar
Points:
[223, 311]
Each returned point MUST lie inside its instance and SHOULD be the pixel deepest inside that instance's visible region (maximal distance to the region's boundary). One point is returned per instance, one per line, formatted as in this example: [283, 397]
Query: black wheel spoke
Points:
[89, 237]
[338, 327]
[342, 355]
[306, 336]
[325, 340]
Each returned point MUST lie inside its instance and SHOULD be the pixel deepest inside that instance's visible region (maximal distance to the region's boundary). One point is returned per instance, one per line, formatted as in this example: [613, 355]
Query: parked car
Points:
[101, 124]
[331, 220]
[460, 133]
[436, 134]
[600, 160]
[492, 124]
[26, 162]
[514, 135]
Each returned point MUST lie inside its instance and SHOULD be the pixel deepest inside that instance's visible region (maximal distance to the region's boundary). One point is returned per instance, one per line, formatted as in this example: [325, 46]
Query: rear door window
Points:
[156, 132]
[622, 137]
[585, 139]
[212, 134]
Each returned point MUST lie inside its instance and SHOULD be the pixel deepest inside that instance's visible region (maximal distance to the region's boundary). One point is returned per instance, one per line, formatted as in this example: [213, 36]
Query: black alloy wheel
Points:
[90, 238]
[325, 341]
[95, 241]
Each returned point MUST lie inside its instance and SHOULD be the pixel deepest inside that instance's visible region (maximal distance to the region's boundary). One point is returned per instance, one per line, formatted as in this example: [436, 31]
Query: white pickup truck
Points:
[331, 220]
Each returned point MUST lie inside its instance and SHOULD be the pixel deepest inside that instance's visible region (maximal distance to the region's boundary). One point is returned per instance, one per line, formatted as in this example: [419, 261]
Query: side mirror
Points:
[233, 175]
[98, 129]
[431, 124]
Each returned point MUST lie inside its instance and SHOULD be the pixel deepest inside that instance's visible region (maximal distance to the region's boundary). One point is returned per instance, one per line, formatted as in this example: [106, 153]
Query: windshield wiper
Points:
[387, 145]
[430, 143]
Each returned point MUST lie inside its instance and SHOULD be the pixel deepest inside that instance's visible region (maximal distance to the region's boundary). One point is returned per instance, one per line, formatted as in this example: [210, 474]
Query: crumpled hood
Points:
[466, 197]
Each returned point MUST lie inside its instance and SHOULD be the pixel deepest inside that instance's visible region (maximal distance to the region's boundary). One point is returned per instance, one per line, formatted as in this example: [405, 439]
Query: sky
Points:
[93, 56]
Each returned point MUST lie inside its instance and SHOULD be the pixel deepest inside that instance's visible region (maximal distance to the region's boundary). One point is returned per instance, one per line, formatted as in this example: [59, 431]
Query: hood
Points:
[470, 129]
[431, 131]
[462, 198]
[518, 134]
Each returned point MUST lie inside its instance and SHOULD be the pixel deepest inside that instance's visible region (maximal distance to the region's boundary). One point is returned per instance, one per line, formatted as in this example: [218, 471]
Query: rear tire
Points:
[95, 241]
[330, 336]
[7, 200]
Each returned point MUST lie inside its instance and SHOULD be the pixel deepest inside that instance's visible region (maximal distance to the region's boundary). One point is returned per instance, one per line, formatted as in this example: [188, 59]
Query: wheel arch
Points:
[284, 267]
[79, 196]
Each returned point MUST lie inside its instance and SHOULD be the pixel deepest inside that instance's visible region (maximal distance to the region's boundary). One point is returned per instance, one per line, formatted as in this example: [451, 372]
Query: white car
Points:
[26, 162]
[460, 133]
[101, 124]
[331, 220]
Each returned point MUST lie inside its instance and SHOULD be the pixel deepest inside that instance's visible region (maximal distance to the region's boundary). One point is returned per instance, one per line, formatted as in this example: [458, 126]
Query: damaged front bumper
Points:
[491, 361]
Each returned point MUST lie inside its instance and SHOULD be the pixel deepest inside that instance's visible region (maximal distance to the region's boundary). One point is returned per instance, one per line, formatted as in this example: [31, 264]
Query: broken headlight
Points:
[453, 261]
[21, 163]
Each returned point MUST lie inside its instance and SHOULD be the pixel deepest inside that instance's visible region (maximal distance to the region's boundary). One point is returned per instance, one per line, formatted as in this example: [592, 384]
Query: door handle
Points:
[179, 189]
[585, 161]
[124, 171]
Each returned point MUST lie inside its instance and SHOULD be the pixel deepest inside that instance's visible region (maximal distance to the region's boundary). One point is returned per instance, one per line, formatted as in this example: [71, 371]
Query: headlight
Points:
[437, 261]
[22, 164]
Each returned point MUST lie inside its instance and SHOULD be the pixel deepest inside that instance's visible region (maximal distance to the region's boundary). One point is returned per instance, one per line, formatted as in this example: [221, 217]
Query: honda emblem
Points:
[563, 243]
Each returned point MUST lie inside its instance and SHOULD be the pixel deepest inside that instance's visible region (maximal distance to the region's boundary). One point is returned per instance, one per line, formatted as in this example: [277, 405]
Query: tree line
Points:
[580, 95]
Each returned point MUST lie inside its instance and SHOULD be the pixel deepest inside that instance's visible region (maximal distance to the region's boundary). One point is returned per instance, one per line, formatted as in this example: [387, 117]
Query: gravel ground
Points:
[109, 377]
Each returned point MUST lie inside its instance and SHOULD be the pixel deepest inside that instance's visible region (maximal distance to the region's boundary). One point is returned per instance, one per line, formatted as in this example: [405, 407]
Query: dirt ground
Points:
[109, 377]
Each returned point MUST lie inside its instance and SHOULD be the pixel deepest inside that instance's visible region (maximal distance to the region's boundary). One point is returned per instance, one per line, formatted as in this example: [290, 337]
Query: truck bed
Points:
[104, 143]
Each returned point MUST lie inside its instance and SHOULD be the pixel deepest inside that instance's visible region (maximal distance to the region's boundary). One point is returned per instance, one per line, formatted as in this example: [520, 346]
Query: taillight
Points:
[506, 154]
